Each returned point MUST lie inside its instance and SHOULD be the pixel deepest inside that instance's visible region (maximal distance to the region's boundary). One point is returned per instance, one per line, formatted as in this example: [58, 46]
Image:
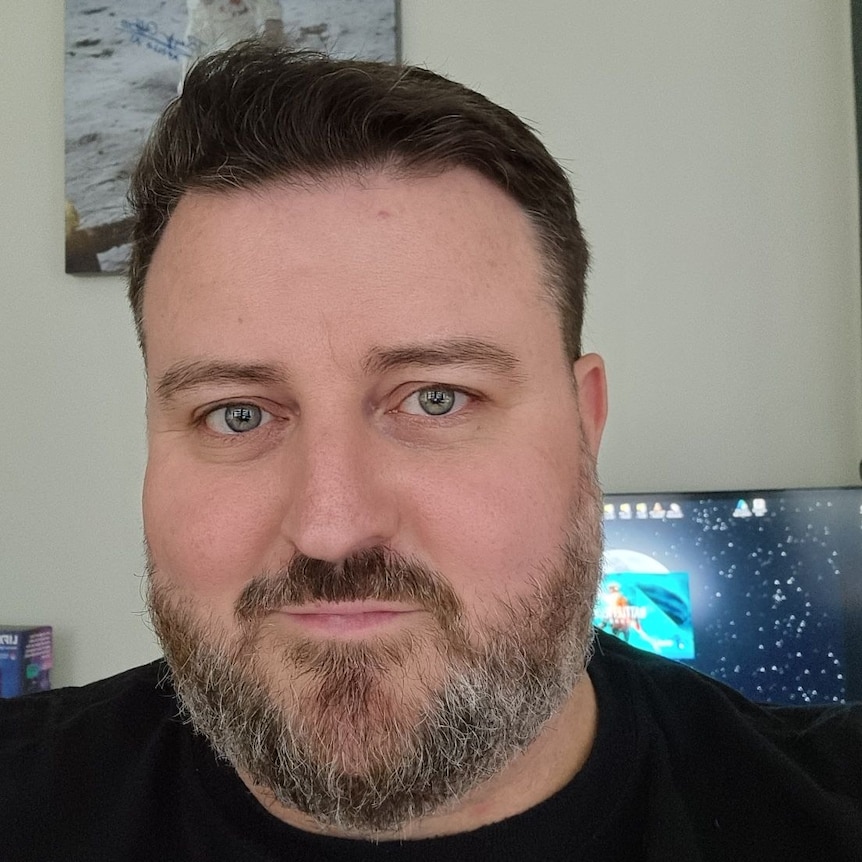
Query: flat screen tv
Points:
[761, 589]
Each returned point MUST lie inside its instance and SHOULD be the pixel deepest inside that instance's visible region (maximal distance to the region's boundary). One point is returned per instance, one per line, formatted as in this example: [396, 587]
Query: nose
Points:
[338, 497]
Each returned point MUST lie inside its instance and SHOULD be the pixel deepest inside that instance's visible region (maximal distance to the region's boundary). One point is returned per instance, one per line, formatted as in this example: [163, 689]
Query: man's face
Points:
[369, 493]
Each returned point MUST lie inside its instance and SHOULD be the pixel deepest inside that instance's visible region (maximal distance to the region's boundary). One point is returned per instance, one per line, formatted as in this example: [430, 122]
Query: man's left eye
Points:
[236, 418]
[434, 401]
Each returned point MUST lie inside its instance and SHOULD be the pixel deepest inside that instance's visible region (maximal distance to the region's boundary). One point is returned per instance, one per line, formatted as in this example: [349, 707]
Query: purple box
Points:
[26, 658]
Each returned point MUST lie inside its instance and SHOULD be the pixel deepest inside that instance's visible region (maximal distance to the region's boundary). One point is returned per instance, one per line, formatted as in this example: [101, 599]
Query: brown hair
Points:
[253, 114]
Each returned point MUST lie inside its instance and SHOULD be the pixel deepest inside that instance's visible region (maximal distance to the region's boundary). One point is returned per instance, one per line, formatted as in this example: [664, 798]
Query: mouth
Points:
[344, 619]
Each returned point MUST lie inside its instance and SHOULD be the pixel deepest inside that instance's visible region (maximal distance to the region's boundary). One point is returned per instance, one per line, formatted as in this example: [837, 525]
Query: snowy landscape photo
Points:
[125, 62]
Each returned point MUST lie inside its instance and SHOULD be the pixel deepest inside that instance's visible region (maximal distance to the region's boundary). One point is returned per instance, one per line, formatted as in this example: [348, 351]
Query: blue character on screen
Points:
[617, 612]
[650, 611]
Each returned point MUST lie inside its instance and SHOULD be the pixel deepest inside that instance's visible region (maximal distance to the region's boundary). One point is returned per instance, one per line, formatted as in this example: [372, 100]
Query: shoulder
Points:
[67, 729]
[70, 753]
[745, 767]
[685, 700]
[90, 706]
[662, 674]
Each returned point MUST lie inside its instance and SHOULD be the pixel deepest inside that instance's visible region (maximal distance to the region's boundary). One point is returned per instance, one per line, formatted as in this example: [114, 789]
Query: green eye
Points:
[436, 402]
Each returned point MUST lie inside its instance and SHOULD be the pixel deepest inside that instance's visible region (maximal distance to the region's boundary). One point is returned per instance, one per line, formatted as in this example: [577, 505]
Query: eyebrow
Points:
[187, 375]
[453, 351]
[191, 374]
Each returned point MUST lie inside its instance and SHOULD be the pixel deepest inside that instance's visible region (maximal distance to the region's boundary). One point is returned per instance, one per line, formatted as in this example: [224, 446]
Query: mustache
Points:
[373, 574]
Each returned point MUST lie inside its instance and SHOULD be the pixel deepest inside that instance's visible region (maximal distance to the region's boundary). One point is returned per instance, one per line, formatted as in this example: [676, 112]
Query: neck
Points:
[544, 768]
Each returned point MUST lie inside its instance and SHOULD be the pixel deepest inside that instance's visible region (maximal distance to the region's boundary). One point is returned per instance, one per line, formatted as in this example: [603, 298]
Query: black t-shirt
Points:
[682, 768]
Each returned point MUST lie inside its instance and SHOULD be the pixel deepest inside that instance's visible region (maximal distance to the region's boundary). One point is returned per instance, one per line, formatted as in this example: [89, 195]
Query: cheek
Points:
[207, 535]
[488, 531]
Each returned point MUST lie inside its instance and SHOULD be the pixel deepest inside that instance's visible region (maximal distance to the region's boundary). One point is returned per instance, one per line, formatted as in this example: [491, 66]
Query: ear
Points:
[589, 371]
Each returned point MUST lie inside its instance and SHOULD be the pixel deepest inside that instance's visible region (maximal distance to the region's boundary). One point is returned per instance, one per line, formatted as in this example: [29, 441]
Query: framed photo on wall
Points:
[125, 62]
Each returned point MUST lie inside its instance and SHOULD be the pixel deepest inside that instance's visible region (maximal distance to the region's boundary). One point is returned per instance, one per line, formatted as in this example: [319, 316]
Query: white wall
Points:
[711, 143]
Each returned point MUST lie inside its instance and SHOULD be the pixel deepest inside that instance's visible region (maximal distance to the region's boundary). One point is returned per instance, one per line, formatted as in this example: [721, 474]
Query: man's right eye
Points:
[236, 418]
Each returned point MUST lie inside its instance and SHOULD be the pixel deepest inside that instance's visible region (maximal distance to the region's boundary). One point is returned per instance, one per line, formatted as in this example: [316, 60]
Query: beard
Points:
[367, 735]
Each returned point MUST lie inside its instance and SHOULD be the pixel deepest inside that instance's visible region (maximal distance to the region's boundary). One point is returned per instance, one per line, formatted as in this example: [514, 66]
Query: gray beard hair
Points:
[355, 750]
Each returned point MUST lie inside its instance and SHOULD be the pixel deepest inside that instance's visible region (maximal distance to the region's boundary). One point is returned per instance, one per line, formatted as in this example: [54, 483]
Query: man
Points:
[373, 523]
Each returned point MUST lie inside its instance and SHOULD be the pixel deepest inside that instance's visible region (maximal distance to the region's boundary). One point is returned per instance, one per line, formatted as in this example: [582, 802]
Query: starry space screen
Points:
[759, 589]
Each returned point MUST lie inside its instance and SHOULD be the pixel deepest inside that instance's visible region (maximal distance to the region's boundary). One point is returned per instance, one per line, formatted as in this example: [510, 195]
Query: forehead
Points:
[369, 256]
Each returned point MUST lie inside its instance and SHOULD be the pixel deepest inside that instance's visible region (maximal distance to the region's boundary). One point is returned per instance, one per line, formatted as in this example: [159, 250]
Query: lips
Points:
[345, 618]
